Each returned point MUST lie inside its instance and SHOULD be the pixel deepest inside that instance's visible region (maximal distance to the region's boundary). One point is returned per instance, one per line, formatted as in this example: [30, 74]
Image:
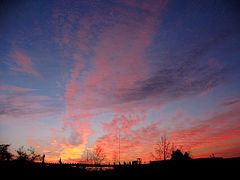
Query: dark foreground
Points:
[215, 167]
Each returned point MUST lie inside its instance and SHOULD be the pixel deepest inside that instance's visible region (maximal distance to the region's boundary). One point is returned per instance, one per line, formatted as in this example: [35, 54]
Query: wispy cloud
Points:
[231, 102]
[134, 140]
[182, 72]
[11, 88]
[118, 70]
[22, 63]
[209, 133]
[23, 105]
[110, 56]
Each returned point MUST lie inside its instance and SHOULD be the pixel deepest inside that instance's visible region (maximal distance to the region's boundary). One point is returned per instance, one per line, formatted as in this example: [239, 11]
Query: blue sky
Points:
[72, 73]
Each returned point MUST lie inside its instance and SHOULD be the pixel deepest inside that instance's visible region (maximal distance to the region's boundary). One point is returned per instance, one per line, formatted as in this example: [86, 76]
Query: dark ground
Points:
[194, 169]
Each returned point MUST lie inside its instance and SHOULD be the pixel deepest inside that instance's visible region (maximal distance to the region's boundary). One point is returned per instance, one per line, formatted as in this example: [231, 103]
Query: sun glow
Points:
[72, 152]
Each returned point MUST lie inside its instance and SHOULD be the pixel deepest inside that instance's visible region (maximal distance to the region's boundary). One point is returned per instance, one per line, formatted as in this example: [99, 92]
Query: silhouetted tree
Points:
[27, 155]
[97, 155]
[178, 155]
[186, 156]
[21, 154]
[212, 155]
[163, 149]
[33, 155]
[5, 155]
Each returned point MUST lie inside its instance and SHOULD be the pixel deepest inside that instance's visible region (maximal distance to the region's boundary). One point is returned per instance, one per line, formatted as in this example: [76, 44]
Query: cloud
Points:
[231, 102]
[11, 88]
[117, 65]
[182, 73]
[23, 105]
[124, 133]
[111, 72]
[109, 50]
[217, 133]
[22, 64]
[207, 136]
[175, 82]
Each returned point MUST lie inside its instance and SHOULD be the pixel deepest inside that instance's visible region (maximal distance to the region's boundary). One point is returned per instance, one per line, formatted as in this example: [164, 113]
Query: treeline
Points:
[20, 154]
[163, 150]
[95, 157]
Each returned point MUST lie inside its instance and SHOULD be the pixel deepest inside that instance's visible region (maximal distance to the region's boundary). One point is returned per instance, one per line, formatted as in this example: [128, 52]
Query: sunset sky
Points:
[77, 74]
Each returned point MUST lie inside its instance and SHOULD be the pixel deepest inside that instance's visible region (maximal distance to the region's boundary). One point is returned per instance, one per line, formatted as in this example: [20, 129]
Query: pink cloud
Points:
[122, 123]
[134, 143]
[218, 134]
[21, 106]
[119, 62]
[210, 135]
[15, 88]
[23, 64]
[151, 6]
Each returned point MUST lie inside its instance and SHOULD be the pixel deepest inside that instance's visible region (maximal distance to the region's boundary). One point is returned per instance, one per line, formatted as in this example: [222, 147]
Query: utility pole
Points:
[87, 155]
[119, 146]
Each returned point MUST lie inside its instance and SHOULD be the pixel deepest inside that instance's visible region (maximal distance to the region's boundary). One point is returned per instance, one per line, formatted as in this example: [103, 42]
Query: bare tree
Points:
[22, 154]
[97, 155]
[163, 149]
[33, 155]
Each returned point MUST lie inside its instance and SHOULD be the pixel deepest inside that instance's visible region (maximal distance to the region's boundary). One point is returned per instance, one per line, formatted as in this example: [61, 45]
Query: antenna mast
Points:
[119, 146]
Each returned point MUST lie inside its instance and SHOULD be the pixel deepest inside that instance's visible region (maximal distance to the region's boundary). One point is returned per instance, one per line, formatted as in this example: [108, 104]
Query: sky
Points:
[77, 74]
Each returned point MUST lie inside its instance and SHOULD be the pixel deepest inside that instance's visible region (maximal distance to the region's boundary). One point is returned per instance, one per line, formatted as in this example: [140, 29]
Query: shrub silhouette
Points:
[5, 155]
[27, 155]
[178, 155]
